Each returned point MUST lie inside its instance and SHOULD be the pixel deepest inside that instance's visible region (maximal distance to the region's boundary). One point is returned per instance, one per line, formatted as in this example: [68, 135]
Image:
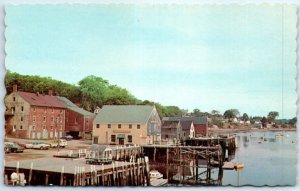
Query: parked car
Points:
[61, 143]
[68, 137]
[38, 145]
[20, 144]
[12, 147]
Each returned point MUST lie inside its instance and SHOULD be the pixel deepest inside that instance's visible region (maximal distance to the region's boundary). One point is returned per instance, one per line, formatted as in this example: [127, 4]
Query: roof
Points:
[98, 148]
[196, 120]
[186, 125]
[169, 124]
[124, 114]
[41, 100]
[71, 106]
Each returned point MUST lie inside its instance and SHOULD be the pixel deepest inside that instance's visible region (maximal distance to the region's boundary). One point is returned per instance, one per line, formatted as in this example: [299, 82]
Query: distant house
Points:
[34, 115]
[79, 122]
[191, 126]
[127, 124]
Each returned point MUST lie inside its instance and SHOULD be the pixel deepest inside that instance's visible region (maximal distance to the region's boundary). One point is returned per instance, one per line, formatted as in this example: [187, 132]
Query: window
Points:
[33, 127]
[130, 126]
[51, 127]
[22, 108]
[21, 127]
[21, 118]
[119, 126]
[61, 111]
[52, 119]
[75, 120]
[14, 98]
[129, 138]
[34, 109]
[44, 118]
[52, 110]
[109, 126]
[44, 127]
[113, 138]
[138, 126]
[98, 126]
[14, 128]
[34, 118]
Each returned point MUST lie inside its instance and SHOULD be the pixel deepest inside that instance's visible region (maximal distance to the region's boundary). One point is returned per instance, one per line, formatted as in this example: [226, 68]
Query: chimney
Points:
[15, 87]
[50, 92]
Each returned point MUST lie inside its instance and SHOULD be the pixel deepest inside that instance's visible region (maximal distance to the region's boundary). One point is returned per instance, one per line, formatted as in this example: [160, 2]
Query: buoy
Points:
[239, 165]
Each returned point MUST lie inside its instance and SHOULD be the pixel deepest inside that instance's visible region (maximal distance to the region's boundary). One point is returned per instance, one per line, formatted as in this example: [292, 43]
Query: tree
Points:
[196, 112]
[231, 113]
[245, 117]
[264, 121]
[272, 115]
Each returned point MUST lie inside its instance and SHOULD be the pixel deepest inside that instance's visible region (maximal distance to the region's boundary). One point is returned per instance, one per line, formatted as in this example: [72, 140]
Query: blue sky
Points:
[200, 56]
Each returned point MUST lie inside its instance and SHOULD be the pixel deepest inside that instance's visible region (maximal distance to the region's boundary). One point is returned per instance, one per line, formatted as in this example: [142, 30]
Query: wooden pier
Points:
[75, 172]
[183, 164]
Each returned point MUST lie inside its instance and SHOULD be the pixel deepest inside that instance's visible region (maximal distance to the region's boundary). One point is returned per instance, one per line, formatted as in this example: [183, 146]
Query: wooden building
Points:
[190, 126]
[127, 124]
[79, 122]
[34, 115]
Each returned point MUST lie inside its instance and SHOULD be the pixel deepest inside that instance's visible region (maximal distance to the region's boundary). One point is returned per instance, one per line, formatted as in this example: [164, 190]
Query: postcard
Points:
[150, 95]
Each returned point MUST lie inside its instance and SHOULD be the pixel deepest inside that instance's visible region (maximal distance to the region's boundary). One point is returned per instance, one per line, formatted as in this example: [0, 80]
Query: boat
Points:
[279, 135]
[239, 165]
[154, 174]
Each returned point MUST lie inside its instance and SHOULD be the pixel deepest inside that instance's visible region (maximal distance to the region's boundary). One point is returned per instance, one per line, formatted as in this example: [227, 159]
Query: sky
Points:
[211, 57]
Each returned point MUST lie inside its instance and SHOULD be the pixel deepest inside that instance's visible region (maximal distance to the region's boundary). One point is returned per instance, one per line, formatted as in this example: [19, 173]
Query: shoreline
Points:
[248, 130]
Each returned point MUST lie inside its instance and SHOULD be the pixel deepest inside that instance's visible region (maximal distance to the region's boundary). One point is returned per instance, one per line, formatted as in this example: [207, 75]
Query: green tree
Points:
[272, 115]
[231, 113]
[245, 117]
[196, 112]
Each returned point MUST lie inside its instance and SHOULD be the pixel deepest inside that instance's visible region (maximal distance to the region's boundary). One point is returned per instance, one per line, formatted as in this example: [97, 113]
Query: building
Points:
[79, 122]
[33, 115]
[191, 126]
[127, 124]
[174, 129]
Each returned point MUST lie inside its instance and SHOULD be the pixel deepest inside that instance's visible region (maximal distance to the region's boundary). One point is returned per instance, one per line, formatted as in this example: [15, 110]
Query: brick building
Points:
[34, 115]
[79, 122]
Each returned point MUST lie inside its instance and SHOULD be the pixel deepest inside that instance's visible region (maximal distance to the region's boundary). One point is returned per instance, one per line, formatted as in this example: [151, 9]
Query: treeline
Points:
[90, 92]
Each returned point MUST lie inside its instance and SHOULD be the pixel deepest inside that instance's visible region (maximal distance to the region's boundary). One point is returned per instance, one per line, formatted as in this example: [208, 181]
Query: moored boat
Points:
[239, 165]
[154, 174]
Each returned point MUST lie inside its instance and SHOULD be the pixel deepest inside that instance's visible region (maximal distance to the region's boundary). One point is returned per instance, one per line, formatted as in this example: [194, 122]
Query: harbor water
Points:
[270, 158]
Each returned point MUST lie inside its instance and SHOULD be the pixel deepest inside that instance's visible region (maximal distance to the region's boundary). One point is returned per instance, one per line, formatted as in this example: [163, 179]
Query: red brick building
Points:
[34, 115]
[79, 122]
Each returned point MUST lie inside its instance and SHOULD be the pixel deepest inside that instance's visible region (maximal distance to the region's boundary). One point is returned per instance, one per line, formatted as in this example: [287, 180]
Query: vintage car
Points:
[58, 143]
[12, 147]
[38, 145]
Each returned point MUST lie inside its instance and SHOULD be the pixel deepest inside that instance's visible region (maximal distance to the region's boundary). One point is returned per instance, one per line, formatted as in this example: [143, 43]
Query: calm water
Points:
[271, 162]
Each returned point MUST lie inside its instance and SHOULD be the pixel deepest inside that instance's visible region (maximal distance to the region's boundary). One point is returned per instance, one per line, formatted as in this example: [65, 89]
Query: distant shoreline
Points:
[248, 130]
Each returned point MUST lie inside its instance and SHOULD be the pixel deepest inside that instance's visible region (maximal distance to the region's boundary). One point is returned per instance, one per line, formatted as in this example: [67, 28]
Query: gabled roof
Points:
[124, 114]
[186, 125]
[169, 124]
[71, 106]
[196, 120]
[41, 100]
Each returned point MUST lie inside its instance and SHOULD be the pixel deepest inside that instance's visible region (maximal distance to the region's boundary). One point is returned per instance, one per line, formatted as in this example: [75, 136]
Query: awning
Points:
[121, 136]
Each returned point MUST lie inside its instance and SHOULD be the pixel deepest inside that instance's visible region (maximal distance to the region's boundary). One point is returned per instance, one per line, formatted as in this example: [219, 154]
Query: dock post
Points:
[30, 173]
[5, 179]
[46, 180]
[61, 175]
[147, 170]
[102, 176]
[154, 154]
[167, 151]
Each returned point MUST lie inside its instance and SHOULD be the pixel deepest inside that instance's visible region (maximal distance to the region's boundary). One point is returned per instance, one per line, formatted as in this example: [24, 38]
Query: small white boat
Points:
[154, 174]
[279, 135]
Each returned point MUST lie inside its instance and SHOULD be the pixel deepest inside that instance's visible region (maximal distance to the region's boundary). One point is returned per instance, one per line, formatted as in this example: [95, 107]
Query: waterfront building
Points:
[191, 126]
[173, 130]
[34, 115]
[79, 122]
[127, 124]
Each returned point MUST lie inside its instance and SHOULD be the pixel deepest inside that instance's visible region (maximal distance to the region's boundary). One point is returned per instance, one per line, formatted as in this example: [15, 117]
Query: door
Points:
[121, 141]
[95, 140]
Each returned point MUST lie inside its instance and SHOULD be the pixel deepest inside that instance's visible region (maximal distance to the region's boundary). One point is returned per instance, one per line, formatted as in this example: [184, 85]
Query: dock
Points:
[69, 172]
[228, 166]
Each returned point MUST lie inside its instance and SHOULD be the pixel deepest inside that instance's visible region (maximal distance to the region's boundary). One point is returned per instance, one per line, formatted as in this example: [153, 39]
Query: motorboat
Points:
[239, 165]
[154, 174]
